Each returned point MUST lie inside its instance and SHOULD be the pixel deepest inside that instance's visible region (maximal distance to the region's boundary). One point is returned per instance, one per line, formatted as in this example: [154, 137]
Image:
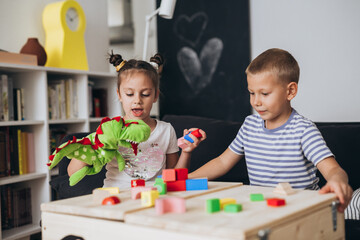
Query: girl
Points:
[138, 89]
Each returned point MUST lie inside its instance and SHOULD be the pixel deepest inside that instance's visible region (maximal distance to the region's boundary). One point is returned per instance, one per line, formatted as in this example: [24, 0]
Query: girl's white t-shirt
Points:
[162, 141]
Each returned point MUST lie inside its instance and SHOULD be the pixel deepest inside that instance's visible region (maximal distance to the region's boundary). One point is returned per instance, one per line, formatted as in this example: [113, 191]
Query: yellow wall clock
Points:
[64, 23]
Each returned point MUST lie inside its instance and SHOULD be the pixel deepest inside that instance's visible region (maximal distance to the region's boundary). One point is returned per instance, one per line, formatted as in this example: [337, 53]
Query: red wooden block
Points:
[181, 173]
[196, 133]
[138, 183]
[176, 186]
[275, 202]
[168, 175]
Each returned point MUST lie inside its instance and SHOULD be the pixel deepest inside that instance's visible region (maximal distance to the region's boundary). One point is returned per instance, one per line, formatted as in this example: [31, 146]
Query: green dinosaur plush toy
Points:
[100, 147]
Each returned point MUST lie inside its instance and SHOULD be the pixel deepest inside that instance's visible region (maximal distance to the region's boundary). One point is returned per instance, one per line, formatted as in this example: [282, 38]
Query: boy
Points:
[279, 144]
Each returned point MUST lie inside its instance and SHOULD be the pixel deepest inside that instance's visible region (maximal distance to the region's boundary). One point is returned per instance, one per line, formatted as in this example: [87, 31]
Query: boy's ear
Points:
[292, 89]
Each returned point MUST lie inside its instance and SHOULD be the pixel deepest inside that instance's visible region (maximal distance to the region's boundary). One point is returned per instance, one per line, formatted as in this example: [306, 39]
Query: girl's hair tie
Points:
[155, 65]
[118, 67]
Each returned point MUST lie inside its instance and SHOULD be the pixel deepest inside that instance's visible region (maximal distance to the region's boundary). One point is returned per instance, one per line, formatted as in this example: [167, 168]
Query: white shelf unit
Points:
[35, 80]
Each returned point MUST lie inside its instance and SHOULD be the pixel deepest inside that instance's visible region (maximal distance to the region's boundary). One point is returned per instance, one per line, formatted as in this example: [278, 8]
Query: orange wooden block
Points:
[168, 175]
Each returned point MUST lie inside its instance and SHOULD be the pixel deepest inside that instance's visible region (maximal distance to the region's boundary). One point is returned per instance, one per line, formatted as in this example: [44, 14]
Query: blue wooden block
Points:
[196, 184]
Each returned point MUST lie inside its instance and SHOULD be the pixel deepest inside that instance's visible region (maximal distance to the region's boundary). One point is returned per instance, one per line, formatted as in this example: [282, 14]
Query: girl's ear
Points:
[156, 95]
[118, 93]
[292, 89]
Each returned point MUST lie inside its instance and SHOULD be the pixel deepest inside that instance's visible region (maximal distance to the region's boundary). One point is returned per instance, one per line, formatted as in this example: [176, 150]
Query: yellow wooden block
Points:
[148, 198]
[111, 190]
[225, 201]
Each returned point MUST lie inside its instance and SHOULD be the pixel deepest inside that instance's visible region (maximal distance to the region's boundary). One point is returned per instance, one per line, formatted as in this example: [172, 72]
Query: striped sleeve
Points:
[353, 209]
[314, 145]
[237, 145]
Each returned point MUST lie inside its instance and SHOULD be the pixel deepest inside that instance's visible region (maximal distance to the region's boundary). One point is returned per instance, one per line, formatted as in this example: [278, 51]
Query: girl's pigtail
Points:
[157, 61]
[117, 61]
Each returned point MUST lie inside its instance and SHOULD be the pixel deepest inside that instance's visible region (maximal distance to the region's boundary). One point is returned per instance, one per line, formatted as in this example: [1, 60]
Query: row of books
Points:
[17, 155]
[15, 206]
[56, 137]
[12, 100]
[63, 100]
[98, 106]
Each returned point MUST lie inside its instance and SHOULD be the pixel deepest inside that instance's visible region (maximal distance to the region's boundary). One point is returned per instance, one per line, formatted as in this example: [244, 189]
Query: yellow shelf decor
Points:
[64, 23]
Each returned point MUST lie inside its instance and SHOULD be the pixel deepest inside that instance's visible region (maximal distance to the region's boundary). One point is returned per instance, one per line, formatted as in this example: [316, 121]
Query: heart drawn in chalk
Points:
[198, 70]
[145, 164]
[190, 29]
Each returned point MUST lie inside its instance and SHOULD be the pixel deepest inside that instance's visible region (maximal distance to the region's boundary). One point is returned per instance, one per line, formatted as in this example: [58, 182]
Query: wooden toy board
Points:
[85, 206]
[306, 215]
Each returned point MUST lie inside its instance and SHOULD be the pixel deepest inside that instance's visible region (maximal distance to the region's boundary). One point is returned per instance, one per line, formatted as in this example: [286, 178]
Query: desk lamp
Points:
[166, 10]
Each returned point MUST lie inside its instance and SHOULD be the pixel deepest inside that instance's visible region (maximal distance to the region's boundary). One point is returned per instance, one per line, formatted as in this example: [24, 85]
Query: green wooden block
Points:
[161, 187]
[256, 197]
[213, 205]
[233, 208]
[159, 180]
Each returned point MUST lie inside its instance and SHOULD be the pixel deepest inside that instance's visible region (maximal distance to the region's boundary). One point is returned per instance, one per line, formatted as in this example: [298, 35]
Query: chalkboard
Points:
[207, 49]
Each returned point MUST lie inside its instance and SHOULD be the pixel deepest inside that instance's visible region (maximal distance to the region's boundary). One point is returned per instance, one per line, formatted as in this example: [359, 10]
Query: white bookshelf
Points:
[35, 80]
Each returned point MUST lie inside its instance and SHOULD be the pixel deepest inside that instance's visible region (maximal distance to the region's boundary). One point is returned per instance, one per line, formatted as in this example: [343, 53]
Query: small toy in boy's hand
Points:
[181, 142]
[100, 147]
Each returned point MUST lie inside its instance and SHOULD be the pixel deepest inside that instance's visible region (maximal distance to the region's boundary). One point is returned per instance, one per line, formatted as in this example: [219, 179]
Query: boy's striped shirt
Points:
[353, 209]
[288, 153]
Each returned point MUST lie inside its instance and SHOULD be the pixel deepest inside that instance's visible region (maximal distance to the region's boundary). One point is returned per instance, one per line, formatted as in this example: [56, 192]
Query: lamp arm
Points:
[147, 26]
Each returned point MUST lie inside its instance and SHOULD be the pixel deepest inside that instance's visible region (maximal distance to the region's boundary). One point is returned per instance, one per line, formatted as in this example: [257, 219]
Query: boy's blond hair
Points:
[277, 61]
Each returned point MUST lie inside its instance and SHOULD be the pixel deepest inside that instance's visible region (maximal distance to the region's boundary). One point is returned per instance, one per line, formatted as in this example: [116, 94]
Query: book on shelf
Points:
[56, 136]
[6, 208]
[60, 89]
[21, 206]
[90, 103]
[11, 98]
[20, 152]
[1, 101]
[17, 152]
[22, 98]
[53, 102]
[16, 206]
[62, 98]
[14, 151]
[3, 157]
[25, 158]
[4, 97]
[5, 152]
[19, 103]
[100, 102]
[31, 152]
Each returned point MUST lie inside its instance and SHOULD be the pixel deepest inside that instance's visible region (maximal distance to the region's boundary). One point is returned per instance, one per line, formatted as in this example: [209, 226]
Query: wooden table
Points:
[307, 215]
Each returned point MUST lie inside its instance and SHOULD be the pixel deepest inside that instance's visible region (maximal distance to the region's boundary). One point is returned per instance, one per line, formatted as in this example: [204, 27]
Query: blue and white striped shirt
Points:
[353, 209]
[288, 153]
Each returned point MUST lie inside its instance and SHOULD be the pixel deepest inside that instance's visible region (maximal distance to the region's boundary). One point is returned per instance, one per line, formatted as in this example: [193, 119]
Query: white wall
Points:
[21, 19]
[324, 37]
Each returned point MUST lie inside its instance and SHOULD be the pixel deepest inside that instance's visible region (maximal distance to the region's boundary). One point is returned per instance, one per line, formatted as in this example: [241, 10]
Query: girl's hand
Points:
[191, 146]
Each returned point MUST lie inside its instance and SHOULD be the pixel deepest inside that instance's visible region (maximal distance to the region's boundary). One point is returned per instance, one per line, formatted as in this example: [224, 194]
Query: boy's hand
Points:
[342, 190]
[191, 146]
